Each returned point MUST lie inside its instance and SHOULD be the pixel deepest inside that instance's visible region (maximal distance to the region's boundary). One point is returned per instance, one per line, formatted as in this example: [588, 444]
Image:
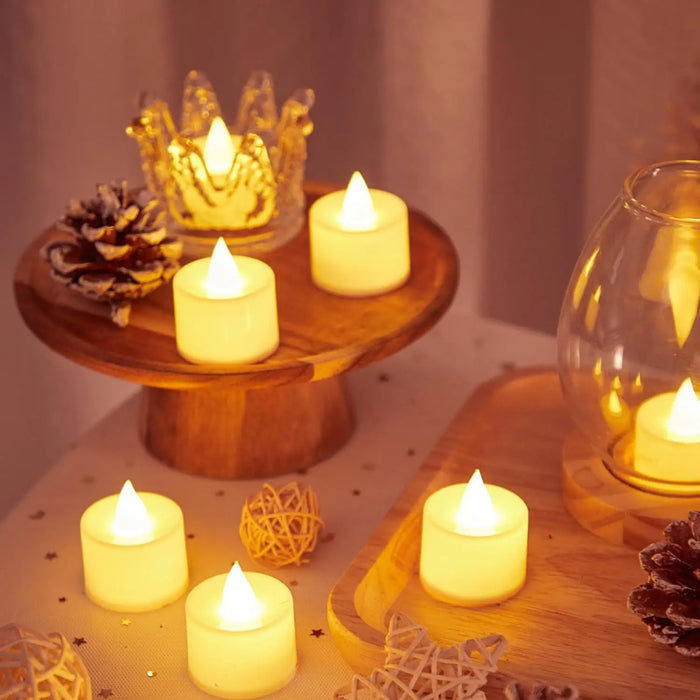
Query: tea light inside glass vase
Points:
[233, 200]
[134, 555]
[225, 309]
[474, 543]
[667, 439]
[240, 635]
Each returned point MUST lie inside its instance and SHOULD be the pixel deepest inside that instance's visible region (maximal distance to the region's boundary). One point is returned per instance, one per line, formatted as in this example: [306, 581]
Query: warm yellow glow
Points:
[617, 384]
[684, 419]
[614, 404]
[223, 279]
[218, 148]
[583, 278]
[476, 514]
[684, 292]
[592, 309]
[616, 412]
[637, 385]
[598, 372]
[357, 212]
[239, 608]
[131, 523]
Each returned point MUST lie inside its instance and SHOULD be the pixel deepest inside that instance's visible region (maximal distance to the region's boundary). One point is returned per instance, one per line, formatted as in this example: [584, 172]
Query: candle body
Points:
[473, 570]
[134, 577]
[359, 263]
[660, 456]
[231, 663]
[233, 330]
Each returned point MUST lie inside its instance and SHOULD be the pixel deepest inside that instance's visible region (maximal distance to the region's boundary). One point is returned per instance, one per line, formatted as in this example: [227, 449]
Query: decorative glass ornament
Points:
[245, 182]
[628, 337]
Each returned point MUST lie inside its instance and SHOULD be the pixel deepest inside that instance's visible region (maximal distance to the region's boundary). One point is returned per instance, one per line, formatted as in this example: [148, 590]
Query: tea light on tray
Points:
[225, 309]
[474, 543]
[240, 635]
[359, 241]
[134, 555]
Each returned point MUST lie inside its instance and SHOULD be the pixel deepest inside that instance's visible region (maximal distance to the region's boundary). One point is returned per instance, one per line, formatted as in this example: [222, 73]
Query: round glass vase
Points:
[628, 340]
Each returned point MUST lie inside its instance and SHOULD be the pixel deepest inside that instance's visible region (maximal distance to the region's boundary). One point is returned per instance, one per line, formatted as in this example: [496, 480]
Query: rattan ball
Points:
[35, 666]
[278, 527]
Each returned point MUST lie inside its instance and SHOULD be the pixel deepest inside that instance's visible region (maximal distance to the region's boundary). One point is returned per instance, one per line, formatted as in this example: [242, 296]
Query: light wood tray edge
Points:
[359, 604]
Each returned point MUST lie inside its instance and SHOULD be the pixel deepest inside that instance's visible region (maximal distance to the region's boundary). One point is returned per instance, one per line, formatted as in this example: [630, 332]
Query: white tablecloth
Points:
[403, 405]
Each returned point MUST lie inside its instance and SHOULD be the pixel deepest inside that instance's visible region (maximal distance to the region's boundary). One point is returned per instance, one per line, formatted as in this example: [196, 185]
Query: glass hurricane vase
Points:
[628, 337]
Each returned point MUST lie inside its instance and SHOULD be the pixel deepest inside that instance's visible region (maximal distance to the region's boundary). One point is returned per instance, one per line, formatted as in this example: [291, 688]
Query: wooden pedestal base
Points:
[610, 508]
[229, 432]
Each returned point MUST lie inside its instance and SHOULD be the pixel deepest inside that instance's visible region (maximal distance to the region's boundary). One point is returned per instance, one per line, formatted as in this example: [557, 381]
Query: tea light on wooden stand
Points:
[359, 241]
[225, 309]
[667, 439]
[474, 543]
[240, 635]
[134, 555]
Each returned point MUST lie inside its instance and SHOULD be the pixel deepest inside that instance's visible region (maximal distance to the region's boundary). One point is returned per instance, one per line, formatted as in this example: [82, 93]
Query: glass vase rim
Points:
[634, 178]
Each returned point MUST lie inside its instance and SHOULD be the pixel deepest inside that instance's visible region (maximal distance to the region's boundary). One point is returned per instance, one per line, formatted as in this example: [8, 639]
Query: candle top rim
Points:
[654, 418]
[96, 519]
[191, 281]
[203, 601]
[389, 209]
[509, 520]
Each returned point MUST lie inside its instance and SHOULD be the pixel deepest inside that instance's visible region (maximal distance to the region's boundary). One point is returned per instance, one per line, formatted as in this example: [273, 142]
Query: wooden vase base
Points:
[610, 508]
[234, 433]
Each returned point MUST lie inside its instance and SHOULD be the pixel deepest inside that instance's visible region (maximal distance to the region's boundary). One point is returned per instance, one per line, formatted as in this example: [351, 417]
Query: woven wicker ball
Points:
[278, 527]
[35, 666]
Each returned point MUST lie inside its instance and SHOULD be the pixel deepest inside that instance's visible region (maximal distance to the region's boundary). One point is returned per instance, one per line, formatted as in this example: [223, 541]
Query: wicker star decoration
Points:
[416, 667]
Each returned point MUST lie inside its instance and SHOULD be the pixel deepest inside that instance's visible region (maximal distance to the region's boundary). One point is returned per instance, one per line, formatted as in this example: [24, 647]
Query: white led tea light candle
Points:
[240, 635]
[474, 543]
[134, 555]
[359, 241]
[667, 438]
[225, 309]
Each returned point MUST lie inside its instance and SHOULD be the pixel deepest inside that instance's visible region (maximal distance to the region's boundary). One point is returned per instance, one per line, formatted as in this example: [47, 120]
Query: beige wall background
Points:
[510, 123]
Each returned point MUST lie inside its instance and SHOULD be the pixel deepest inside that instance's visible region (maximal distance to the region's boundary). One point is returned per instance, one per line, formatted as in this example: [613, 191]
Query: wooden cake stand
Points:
[284, 413]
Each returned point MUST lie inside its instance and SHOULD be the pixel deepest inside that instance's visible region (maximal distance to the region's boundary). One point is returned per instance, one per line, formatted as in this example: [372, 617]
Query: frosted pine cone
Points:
[120, 249]
[669, 603]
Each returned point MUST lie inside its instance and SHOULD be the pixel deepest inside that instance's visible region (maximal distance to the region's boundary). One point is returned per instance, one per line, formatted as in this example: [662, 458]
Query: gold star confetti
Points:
[105, 693]
[151, 674]
[125, 621]
[37, 515]
[50, 555]
[317, 633]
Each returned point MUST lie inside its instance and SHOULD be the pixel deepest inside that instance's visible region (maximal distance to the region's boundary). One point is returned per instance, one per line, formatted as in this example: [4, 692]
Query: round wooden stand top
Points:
[321, 335]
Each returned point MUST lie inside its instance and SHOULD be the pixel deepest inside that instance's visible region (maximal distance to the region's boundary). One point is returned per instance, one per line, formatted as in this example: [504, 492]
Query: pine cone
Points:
[669, 603]
[120, 249]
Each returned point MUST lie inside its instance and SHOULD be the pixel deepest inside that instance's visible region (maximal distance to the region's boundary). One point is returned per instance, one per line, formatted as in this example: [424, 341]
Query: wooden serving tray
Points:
[570, 623]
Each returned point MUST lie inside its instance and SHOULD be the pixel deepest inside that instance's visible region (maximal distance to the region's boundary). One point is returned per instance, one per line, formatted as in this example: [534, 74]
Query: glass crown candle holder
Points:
[628, 337]
[243, 182]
